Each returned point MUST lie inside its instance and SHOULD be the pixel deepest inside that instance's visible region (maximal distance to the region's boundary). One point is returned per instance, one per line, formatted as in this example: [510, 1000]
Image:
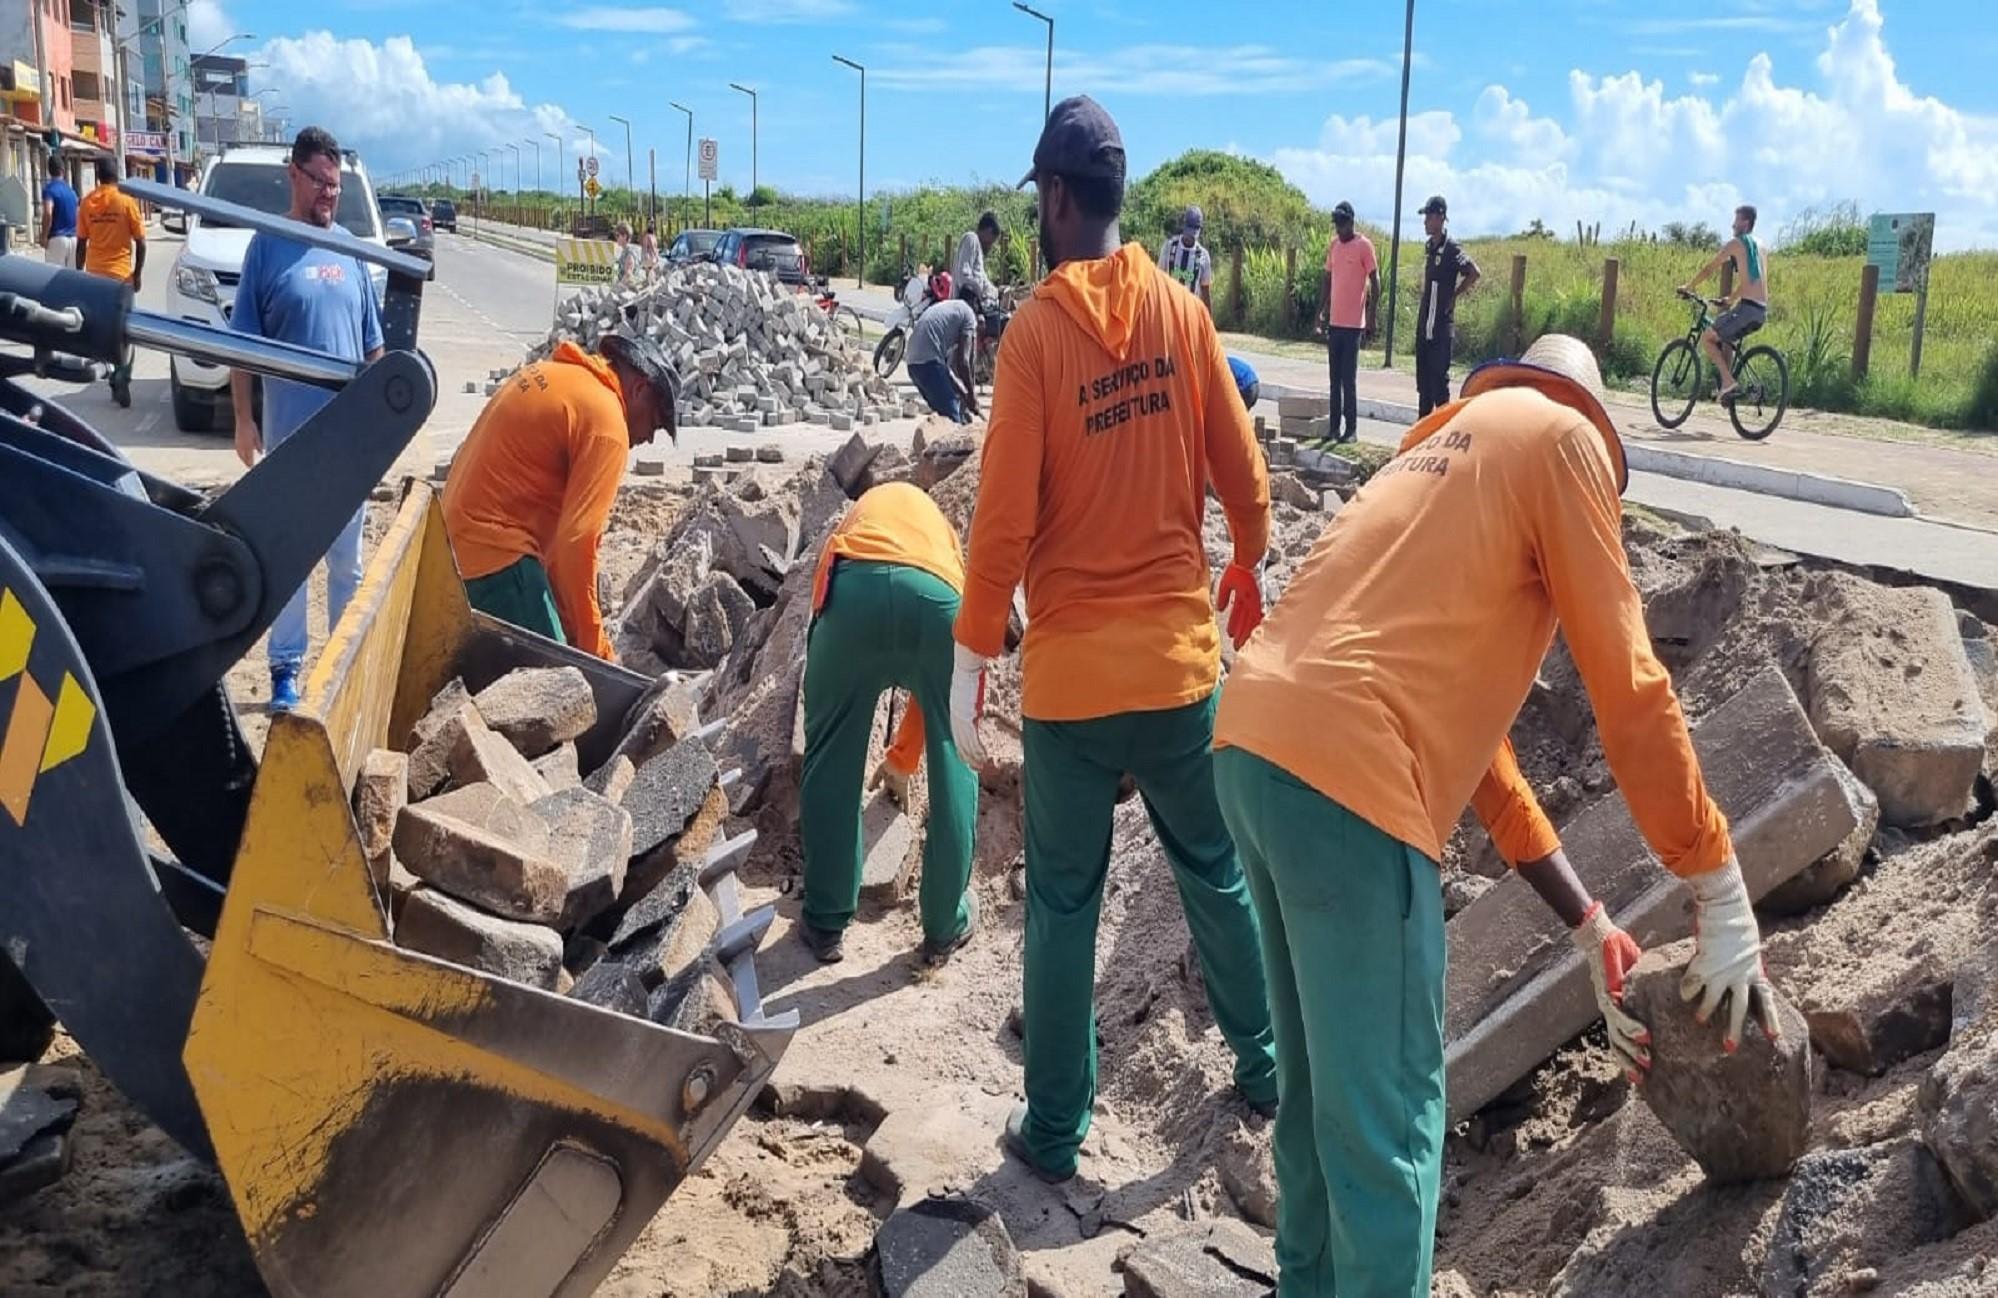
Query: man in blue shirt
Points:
[1246, 383]
[58, 218]
[318, 299]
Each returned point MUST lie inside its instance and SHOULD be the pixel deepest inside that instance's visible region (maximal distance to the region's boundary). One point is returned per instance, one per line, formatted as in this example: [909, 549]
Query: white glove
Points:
[887, 777]
[1727, 955]
[967, 701]
[1610, 954]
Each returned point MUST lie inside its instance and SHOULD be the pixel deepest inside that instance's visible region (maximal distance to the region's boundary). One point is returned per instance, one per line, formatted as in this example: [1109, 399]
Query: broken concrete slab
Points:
[667, 792]
[1222, 1258]
[1959, 1097]
[1850, 1210]
[40, 1164]
[589, 836]
[849, 463]
[1891, 691]
[1248, 1173]
[1517, 990]
[716, 617]
[481, 755]
[447, 928]
[35, 1100]
[1286, 488]
[381, 791]
[613, 779]
[537, 708]
[936, 1148]
[948, 1248]
[1885, 1021]
[558, 766]
[434, 736]
[1822, 880]
[611, 985]
[508, 873]
[688, 848]
[889, 848]
[1743, 1116]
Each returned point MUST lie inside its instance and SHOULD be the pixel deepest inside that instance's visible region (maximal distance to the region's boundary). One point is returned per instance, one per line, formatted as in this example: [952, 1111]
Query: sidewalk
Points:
[1957, 485]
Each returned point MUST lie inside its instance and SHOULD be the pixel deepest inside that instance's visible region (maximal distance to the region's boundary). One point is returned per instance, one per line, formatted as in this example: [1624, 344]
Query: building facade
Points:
[159, 89]
[225, 111]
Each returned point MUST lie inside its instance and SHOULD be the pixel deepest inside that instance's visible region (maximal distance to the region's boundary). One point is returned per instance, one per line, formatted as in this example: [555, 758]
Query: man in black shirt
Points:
[1446, 272]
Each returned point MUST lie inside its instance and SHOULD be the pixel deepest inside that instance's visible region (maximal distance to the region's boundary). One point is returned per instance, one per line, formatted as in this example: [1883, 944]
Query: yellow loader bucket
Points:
[391, 1124]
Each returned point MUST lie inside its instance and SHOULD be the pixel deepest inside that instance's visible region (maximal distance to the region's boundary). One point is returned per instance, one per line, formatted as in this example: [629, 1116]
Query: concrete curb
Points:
[1714, 471]
[524, 247]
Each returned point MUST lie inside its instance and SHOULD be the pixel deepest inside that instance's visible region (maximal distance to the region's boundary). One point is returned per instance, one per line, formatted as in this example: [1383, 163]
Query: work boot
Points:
[1265, 1109]
[937, 953]
[1016, 1145]
[828, 944]
[284, 689]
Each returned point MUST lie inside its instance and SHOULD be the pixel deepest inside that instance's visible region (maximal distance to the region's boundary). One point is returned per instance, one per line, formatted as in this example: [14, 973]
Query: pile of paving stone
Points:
[752, 354]
[490, 848]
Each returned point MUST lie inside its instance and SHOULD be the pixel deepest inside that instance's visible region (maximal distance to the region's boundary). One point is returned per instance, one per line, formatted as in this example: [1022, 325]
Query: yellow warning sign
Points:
[592, 187]
[39, 733]
[585, 261]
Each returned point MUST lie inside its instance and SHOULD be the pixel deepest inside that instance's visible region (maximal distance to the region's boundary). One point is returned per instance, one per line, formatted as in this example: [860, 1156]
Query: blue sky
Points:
[1610, 110]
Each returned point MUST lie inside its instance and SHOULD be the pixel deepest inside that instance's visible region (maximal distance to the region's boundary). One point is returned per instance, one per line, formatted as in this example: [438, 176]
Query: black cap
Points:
[643, 355]
[1078, 140]
[1436, 205]
[1343, 212]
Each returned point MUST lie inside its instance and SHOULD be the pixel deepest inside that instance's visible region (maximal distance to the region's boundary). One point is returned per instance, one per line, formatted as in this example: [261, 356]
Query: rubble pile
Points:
[752, 354]
[490, 850]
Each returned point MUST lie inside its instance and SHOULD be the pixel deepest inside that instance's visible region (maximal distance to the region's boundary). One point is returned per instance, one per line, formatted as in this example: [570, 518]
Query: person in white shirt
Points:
[967, 265]
[1185, 259]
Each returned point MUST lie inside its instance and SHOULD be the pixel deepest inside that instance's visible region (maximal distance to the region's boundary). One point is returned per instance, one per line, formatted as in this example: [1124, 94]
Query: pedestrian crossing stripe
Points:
[585, 261]
[40, 733]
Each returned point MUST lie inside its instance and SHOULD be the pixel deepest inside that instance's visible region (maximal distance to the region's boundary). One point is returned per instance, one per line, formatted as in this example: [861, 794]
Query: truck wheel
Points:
[191, 414]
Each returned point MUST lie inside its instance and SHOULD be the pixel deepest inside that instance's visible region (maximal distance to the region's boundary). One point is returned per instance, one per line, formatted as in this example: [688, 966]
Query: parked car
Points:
[413, 211]
[770, 250]
[693, 245]
[202, 287]
[444, 215]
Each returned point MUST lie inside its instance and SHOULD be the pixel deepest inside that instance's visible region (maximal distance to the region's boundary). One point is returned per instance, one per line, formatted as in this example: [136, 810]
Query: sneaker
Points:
[937, 953]
[1265, 1109]
[1350, 435]
[828, 944]
[1016, 1145]
[284, 689]
[1727, 398]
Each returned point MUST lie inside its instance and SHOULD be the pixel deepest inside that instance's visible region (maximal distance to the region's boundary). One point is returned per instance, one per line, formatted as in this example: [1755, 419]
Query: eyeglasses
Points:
[324, 186]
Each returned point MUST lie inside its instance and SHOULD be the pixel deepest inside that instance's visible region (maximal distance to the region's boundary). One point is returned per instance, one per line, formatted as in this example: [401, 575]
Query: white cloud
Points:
[787, 11]
[208, 25]
[1624, 150]
[1703, 80]
[649, 21]
[382, 100]
[1155, 69]
[915, 26]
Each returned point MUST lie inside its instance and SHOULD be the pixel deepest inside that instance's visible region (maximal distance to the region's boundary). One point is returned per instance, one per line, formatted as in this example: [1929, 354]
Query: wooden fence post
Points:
[1607, 329]
[1518, 342]
[904, 269]
[1289, 316]
[1236, 309]
[1862, 336]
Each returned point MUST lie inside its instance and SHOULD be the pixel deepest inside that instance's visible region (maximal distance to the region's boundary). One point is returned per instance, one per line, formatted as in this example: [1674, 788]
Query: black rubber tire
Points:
[888, 352]
[1756, 410]
[1673, 408]
[190, 413]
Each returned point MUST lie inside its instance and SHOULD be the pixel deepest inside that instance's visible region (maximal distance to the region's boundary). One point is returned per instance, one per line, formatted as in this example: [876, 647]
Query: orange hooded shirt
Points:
[896, 522]
[1112, 410]
[537, 476]
[1388, 674]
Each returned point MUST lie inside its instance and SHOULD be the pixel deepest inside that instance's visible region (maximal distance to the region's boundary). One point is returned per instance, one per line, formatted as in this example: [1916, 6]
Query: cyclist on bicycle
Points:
[1751, 302]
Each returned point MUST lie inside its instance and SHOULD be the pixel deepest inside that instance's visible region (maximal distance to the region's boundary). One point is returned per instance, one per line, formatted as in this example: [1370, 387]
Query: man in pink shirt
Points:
[1347, 300]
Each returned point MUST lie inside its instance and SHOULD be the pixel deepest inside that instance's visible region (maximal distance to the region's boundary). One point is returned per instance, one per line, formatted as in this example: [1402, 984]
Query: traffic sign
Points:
[475, 180]
[585, 261]
[592, 164]
[592, 187]
[710, 159]
[580, 172]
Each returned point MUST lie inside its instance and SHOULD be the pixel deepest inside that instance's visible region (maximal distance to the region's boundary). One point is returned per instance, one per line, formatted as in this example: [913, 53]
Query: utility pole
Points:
[860, 209]
[1047, 97]
[561, 156]
[687, 180]
[536, 146]
[1400, 158]
[752, 133]
[516, 173]
[630, 184]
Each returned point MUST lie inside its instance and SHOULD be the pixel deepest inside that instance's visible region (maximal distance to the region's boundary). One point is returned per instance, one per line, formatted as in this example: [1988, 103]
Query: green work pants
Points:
[883, 625]
[519, 593]
[1072, 769]
[1352, 927]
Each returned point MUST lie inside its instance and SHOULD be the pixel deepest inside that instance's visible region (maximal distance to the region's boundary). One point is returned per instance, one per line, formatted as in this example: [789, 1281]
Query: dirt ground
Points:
[1567, 1184]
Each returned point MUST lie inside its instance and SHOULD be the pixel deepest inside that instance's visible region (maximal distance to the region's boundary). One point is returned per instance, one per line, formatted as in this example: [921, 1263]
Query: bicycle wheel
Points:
[1675, 383]
[888, 352]
[848, 321]
[1761, 392]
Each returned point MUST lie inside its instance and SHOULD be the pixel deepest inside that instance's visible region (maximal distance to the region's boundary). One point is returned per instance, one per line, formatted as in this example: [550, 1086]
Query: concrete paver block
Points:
[500, 862]
[480, 755]
[558, 766]
[590, 838]
[537, 708]
[380, 793]
[438, 925]
[948, 1248]
[889, 856]
[1222, 1258]
[429, 747]
[667, 792]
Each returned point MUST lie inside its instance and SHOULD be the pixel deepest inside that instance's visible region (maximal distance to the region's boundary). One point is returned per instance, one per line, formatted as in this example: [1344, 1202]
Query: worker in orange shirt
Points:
[1113, 409]
[531, 490]
[1359, 721]
[883, 602]
[111, 241]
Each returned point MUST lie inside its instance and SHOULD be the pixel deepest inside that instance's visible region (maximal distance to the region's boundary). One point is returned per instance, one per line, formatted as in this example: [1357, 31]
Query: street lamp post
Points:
[561, 160]
[536, 146]
[1047, 93]
[752, 133]
[687, 177]
[1400, 158]
[860, 207]
[516, 174]
[630, 183]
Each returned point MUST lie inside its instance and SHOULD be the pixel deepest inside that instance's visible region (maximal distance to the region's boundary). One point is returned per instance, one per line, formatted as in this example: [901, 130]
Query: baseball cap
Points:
[1078, 140]
[1192, 219]
[1343, 212]
[1436, 205]
[643, 355]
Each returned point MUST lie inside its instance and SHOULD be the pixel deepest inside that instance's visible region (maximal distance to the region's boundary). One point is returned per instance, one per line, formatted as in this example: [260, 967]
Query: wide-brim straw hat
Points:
[1564, 369]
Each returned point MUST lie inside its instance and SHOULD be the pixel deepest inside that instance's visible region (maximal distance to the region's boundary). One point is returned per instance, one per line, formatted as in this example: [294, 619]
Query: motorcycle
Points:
[915, 300]
[991, 328]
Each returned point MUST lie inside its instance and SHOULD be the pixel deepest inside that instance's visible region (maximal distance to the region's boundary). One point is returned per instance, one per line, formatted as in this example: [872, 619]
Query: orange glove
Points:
[1611, 954]
[1240, 596]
